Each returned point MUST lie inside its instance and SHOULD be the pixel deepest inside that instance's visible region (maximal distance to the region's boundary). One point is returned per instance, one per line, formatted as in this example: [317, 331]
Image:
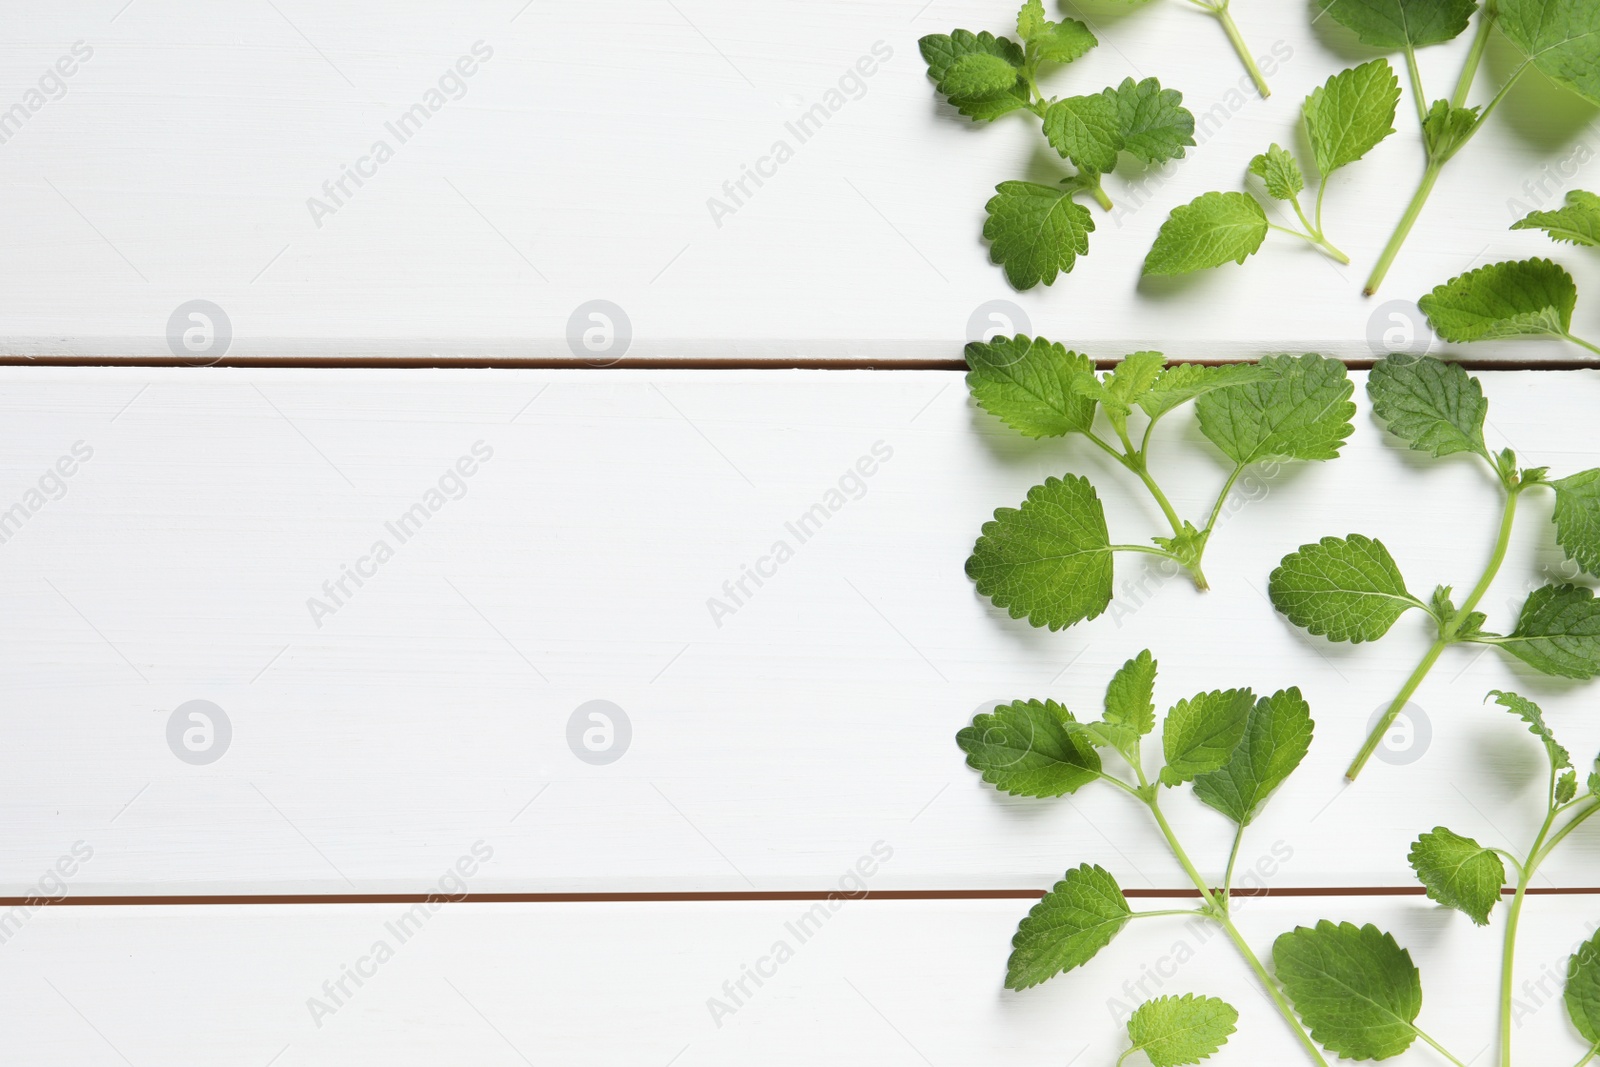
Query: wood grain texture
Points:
[430, 709]
[580, 158]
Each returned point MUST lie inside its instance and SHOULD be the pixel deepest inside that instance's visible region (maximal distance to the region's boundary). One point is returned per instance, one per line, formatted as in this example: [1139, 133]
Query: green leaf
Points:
[1302, 412]
[1347, 589]
[1200, 734]
[1056, 42]
[1531, 297]
[1207, 232]
[1076, 919]
[989, 108]
[1577, 518]
[1027, 385]
[1130, 698]
[1458, 873]
[1036, 231]
[1026, 749]
[1281, 173]
[1435, 406]
[1447, 128]
[1577, 223]
[1050, 560]
[1558, 632]
[1180, 384]
[1561, 37]
[1031, 20]
[1583, 989]
[1135, 376]
[1178, 1031]
[978, 74]
[1155, 125]
[1086, 130]
[941, 50]
[1393, 24]
[1351, 113]
[1277, 737]
[1566, 786]
[1355, 989]
[1530, 713]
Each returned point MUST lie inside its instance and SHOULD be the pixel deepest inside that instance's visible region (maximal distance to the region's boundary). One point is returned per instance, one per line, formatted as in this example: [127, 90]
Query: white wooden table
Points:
[383, 732]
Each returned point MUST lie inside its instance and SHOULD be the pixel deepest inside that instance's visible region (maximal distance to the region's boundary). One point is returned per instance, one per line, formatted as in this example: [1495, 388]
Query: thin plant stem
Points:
[1440, 1049]
[1416, 84]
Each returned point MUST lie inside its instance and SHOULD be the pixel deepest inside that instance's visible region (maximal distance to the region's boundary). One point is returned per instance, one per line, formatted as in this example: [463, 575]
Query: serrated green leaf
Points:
[1532, 297]
[1086, 130]
[1027, 749]
[1031, 19]
[1302, 412]
[1351, 113]
[1130, 696]
[1356, 990]
[1154, 123]
[1200, 734]
[1277, 737]
[1179, 1031]
[1050, 560]
[940, 50]
[1447, 128]
[1123, 740]
[1396, 23]
[1530, 713]
[1026, 383]
[989, 108]
[1135, 375]
[1076, 919]
[1184, 382]
[1566, 786]
[1583, 989]
[1558, 632]
[979, 74]
[1577, 223]
[1577, 518]
[1035, 232]
[1458, 873]
[1435, 406]
[1561, 37]
[1280, 171]
[1344, 588]
[1210, 230]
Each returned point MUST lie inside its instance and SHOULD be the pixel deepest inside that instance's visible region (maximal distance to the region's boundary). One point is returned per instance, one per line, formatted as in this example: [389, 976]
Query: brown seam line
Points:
[491, 363]
[669, 898]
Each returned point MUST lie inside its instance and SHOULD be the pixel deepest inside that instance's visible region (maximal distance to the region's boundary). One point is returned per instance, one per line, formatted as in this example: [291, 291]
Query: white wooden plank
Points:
[580, 158]
[432, 708]
[886, 981]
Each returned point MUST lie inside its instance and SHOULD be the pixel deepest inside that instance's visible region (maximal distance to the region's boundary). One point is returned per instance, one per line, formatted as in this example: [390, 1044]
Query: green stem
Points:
[1430, 178]
[1582, 343]
[1136, 464]
[1233, 858]
[1480, 43]
[1416, 84]
[1592, 1053]
[1314, 237]
[1447, 636]
[1154, 803]
[1236, 39]
[1440, 1049]
[1561, 834]
[1170, 911]
[1508, 955]
[1222, 498]
[1272, 990]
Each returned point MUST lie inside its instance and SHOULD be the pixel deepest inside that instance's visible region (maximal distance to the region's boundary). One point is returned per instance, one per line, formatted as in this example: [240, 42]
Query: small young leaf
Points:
[1086, 130]
[1180, 384]
[1027, 385]
[1583, 989]
[1050, 560]
[1356, 990]
[1179, 1031]
[1434, 405]
[1281, 173]
[1155, 125]
[1393, 24]
[1533, 297]
[1135, 375]
[1036, 231]
[1447, 128]
[1200, 734]
[1209, 231]
[1026, 749]
[1064, 41]
[1076, 919]
[1566, 786]
[1276, 738]
[1302, 412]
[1351, 113]
[1530, 713]
[1558, 632]
[1130, 697]
[1577, 518]
[1031, 20]
[1347, 589]
[1559, 37]
[1577, 223]
[1458, 873]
